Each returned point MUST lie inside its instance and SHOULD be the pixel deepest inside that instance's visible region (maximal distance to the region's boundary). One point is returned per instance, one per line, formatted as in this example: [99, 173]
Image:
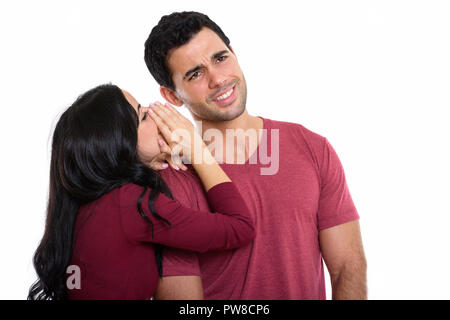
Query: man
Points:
[301, 203]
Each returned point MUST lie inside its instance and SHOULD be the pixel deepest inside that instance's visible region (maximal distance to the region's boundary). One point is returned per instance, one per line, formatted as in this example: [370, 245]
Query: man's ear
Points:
[170, 96]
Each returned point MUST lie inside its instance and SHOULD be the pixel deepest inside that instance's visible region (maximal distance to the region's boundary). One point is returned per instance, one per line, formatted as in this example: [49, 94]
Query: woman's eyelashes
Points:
[141, 111]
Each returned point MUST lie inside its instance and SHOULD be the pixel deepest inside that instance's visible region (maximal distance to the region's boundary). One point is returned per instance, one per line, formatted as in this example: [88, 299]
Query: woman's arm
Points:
[229, 227]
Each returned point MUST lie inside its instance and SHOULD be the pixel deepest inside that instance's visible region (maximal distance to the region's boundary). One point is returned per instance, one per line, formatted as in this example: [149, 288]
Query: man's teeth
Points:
[225, 95]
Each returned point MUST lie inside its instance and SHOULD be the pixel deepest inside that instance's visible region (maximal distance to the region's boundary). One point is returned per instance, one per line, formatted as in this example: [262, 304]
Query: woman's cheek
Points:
[148, 146]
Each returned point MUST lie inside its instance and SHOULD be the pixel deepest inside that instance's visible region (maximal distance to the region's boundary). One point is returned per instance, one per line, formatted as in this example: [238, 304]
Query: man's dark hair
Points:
[171, 32]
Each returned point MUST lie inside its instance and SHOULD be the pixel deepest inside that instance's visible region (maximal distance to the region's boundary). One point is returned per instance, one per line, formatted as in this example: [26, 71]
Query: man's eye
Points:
[194, 75]
[222, 58]
[144, 117]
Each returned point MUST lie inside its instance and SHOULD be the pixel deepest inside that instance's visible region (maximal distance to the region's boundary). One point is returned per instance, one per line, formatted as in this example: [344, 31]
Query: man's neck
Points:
[244, 122]
[235, 149]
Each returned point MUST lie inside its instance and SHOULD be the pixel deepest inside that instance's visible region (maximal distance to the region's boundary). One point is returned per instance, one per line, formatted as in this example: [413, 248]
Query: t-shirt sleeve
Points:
[230, 227]
[179, 262]
[335, 203]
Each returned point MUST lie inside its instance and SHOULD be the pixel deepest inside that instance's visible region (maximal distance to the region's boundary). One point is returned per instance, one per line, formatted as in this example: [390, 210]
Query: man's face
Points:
[208, 78]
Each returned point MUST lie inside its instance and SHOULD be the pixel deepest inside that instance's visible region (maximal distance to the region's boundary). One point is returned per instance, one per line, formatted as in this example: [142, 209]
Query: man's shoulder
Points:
[179, 179]
[298, 131]
[185, 186]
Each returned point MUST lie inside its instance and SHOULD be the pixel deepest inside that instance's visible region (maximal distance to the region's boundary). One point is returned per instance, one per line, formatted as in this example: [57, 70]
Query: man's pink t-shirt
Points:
[307, 193]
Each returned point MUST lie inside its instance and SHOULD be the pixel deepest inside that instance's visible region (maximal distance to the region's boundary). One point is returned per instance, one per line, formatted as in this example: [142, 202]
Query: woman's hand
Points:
[180, 134]
[164, 159]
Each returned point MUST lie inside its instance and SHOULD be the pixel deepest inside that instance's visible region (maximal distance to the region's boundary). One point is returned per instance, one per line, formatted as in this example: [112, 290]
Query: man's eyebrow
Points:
[192, 70]
[219, 54]
[198, 67]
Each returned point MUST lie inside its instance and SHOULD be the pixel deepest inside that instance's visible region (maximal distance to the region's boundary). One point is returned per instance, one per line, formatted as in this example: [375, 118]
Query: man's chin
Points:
[217, 113]
[225, 113]
[234, 114]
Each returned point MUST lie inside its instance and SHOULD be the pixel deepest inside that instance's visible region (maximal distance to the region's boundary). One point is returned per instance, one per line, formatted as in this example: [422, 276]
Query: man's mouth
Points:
[225, 97]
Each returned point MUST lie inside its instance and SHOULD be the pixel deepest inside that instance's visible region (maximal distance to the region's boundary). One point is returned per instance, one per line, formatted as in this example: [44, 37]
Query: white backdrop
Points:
[371, 76]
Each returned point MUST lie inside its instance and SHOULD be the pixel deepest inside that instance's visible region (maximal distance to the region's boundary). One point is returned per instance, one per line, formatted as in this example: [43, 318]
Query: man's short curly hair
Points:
[171, 32]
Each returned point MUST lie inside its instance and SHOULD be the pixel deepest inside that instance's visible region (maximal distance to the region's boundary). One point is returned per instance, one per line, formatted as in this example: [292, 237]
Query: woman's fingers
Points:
[173, 160]
[175, 113]
[171, 117]
[162, 126]
[165, 115]
[171, 130]
[177, 130]
[158, 162]
[163, 160]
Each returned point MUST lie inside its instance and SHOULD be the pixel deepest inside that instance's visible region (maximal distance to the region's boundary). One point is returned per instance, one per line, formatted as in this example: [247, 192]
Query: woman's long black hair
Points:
[94, 150]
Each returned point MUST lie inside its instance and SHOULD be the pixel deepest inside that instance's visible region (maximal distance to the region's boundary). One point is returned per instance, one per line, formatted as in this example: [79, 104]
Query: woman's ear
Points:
[170, 96]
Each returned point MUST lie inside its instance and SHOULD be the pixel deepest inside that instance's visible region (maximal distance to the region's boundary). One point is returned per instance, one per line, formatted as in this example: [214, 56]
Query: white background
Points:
[371, 76]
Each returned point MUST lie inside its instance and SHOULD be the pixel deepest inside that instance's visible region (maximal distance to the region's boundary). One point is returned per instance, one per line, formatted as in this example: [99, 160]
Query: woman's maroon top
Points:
[113, 243]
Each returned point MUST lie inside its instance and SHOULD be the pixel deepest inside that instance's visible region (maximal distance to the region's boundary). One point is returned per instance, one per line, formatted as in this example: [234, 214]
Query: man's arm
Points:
[179, 288]
[343, 252]
[181, 271]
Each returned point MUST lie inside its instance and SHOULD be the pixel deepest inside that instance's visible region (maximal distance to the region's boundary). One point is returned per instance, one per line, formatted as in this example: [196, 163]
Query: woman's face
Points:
[147, 146]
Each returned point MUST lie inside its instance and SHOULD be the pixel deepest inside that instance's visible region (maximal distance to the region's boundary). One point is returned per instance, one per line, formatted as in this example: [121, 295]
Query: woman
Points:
[109, 213]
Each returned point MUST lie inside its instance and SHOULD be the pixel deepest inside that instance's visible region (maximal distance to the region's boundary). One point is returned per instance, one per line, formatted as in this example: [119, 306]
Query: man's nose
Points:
[216, 79]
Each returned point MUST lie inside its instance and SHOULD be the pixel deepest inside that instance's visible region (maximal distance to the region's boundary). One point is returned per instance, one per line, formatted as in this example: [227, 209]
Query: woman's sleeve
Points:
[229, 226]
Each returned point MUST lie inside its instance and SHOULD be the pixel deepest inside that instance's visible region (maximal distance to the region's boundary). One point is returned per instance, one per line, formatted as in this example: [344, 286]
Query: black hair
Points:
[94, 150]
[171, 32]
